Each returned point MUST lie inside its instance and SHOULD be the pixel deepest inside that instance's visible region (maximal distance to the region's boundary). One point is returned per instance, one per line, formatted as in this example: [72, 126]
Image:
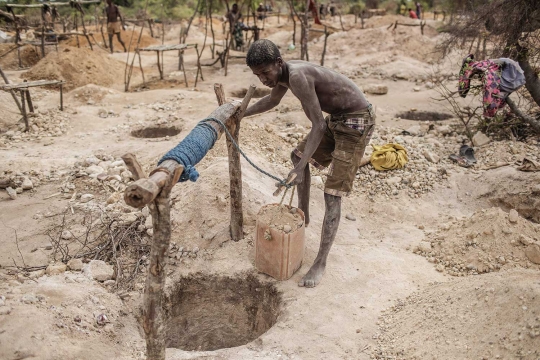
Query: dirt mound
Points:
[487, 241]
[78, 67]
[29, 56]
[127, 37]
[487, 317]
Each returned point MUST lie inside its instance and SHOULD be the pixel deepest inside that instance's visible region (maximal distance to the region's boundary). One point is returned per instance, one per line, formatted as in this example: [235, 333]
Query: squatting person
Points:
[337, 141]
[114, 22]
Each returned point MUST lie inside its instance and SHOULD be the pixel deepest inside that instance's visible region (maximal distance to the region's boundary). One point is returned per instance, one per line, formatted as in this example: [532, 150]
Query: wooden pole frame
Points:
[154, 191]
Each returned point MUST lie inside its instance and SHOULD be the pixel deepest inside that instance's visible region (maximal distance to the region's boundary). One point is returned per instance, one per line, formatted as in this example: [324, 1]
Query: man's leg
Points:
[332, 216]
[303, 189]
[110, 42]
[121, 42]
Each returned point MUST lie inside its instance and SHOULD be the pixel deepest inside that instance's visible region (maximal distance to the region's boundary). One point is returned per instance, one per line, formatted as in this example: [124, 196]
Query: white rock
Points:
[91, 161]
[533, 254]
[350, 217]
[98, 270]
[287, 228]
[128, 219]
[148, 222]
[56, 269]
[414, 130]
[394, 180]
[431, 157]
[513, 216]
[86, 198]
[66, 235]
[424, 246]
[480, 139]
[94, 170]
[150, 232]
[12, 193]
[416, 88]
[118, 163]
[27, 184]
[75, 264]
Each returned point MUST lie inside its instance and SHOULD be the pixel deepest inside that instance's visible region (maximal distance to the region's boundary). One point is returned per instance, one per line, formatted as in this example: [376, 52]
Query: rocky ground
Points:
[75, 255]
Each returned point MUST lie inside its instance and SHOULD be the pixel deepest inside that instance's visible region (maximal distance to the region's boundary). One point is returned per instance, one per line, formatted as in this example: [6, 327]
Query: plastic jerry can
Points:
[277, 253]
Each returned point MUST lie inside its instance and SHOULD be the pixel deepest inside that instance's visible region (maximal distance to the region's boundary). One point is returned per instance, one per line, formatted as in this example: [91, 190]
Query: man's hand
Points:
[296, 176]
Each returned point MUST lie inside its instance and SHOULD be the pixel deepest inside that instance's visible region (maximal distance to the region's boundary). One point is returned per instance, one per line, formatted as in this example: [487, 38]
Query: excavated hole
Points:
[424, 115]
[152, 132]
[207, 313]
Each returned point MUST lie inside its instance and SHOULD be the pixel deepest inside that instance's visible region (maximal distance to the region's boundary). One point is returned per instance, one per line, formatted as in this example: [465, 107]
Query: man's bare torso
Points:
[337, 94]
[112, 13]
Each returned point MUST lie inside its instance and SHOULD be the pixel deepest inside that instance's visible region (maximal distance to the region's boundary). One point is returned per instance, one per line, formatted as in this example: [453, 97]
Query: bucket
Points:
[278, 251]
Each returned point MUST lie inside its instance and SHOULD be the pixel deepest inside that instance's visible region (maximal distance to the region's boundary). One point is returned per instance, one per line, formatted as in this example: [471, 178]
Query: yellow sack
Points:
[389, 157]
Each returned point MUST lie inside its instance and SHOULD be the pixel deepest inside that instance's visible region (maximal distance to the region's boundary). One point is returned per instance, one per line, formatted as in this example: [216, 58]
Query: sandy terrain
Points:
[406, 277]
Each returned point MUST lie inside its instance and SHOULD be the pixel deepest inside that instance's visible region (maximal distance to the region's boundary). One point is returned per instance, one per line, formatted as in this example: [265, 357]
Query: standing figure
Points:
[337, 141]
[418, 10]
[114, 24]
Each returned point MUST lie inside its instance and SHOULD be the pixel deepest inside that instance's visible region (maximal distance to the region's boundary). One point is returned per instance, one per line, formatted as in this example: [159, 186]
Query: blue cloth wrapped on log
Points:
[192, 149]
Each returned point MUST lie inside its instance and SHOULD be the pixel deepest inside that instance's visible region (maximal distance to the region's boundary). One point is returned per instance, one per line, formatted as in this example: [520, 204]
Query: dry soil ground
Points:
[379, 297]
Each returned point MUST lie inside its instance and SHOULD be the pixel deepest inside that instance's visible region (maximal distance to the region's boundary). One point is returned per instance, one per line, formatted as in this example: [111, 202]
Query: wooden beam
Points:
[144, 191]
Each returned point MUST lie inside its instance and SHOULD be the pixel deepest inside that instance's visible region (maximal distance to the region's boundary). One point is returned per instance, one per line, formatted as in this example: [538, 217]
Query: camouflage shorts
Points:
[342, 148]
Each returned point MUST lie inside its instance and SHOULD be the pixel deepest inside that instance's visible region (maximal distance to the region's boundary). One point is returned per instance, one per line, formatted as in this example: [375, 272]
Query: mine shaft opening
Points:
[153, 132]
[424, 115]
[207, 313]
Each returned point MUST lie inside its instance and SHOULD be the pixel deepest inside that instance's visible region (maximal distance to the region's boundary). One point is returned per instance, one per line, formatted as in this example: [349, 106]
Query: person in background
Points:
[114, 24]
[418, 10]
[412, 14]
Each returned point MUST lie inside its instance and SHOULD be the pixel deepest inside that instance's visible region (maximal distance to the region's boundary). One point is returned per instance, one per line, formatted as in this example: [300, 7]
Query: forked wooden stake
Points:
[155, 281]
[235, 167]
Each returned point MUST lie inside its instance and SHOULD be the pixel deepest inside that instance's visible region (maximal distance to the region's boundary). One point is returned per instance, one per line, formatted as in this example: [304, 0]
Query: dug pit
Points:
[152, 132]
[207, 313]
[423, 115]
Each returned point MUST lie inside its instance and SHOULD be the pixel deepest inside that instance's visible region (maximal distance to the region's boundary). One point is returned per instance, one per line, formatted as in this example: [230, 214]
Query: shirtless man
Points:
[113, 25]
[338, 141]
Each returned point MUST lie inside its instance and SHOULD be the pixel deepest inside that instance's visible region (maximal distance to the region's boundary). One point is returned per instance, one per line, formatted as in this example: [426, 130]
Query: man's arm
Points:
[121, 20]
[268, 102]
[304, 89]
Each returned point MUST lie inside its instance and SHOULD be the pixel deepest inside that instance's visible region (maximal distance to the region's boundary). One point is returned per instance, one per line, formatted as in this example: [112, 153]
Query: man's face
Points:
[235, 8]
[109, 2]
[269, 74]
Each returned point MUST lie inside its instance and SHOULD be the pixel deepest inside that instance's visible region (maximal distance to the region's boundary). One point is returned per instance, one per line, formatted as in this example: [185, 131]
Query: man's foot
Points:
[313, 277]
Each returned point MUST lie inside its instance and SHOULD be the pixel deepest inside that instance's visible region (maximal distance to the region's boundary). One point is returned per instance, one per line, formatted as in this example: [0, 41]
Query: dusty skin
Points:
[382, 277]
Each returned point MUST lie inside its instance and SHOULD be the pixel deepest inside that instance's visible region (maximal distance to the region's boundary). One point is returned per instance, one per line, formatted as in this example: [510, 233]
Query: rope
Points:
[282, 182]
[199, 141]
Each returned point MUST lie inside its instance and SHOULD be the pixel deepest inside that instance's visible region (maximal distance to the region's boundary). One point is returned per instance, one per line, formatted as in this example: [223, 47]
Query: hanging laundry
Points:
[500, 77]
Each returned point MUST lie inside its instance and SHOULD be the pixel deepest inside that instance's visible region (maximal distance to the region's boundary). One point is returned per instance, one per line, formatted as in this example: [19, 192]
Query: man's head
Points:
[235, 8]
[265, 61]
[109, 2]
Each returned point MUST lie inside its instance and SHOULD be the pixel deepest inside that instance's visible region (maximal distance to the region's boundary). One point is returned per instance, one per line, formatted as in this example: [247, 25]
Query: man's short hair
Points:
[262, 52]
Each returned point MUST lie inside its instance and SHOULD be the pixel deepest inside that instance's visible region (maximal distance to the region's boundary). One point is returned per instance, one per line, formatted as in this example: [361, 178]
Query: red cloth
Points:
[412, 15]
[315, 11]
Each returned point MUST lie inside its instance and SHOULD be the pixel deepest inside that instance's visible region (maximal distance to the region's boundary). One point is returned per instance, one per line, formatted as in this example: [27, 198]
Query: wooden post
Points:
[61, 97]
[25, 116]
[42, 40]
[326, 34]
[155, 280]
[159, 66]
[29, 100]
[422, 24]
[12, 92]
[235, 167]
